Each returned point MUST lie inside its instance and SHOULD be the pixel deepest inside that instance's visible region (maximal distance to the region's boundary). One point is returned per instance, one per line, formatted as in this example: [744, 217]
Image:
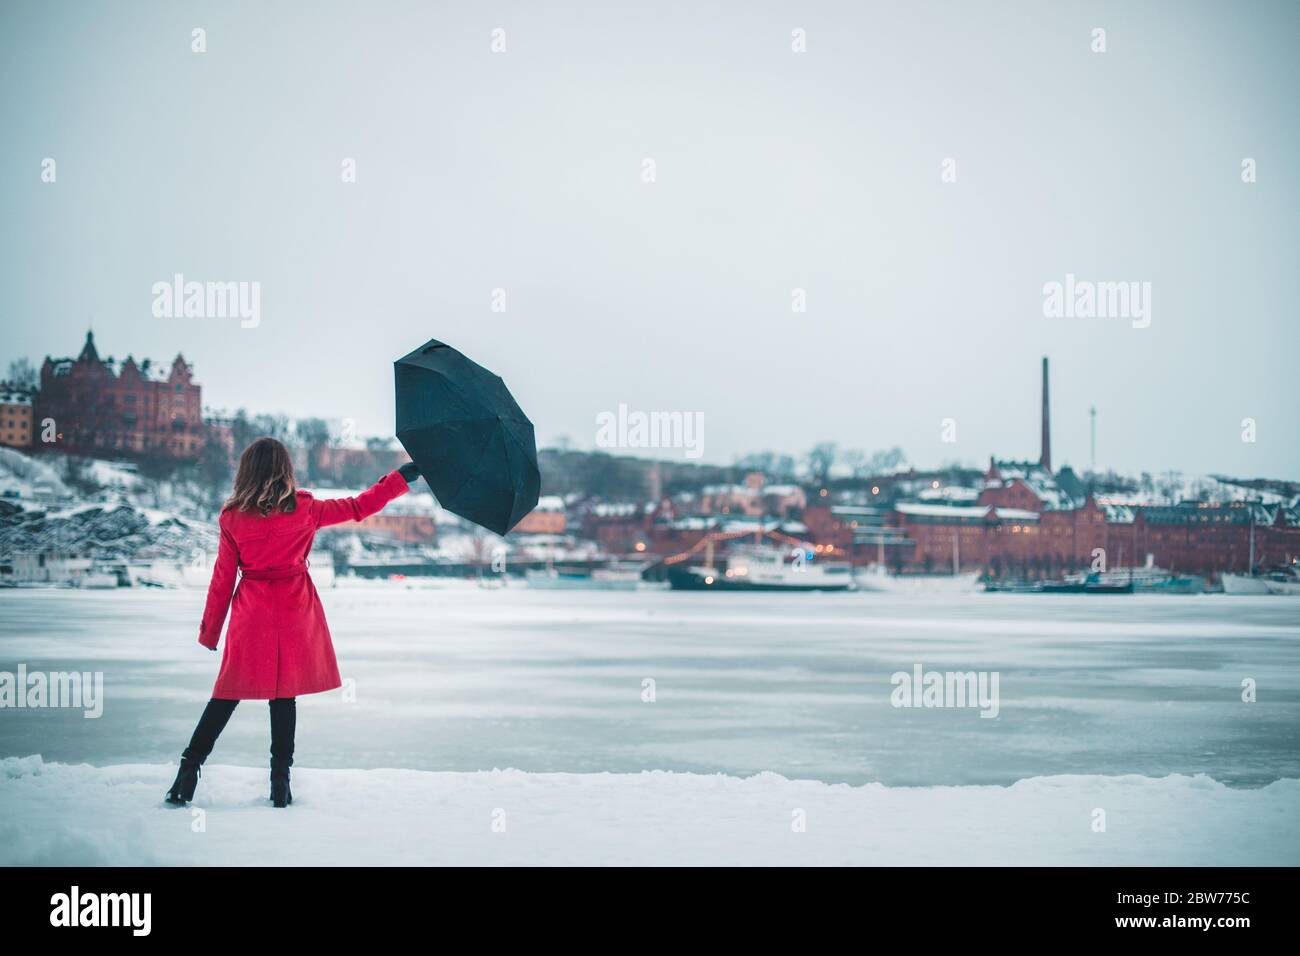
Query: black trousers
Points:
[284, 721]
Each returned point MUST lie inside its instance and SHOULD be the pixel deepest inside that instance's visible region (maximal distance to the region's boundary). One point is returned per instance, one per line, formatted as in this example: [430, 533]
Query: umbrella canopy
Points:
[472, 442]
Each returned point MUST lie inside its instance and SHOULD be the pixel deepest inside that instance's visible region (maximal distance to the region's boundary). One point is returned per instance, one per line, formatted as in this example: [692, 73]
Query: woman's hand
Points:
[409, 471]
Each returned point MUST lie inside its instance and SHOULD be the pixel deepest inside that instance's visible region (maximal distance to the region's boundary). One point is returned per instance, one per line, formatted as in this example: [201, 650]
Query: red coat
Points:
[278, 644]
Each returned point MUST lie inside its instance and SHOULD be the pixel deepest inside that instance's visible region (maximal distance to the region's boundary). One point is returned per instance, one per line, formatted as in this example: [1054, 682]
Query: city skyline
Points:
[159, 370]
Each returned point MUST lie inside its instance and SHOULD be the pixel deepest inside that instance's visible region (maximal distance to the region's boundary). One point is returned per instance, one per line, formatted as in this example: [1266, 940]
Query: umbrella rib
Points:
[510, 438]
[517, 450]
[450, 382]
[455, 386]
[469, 472]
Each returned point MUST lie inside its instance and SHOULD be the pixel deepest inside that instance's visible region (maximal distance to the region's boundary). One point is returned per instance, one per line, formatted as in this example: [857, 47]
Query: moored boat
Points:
[761, 569]
[1283, 582]
[875, 578]
[1243, 584]
[584, 579]
[1280, 581]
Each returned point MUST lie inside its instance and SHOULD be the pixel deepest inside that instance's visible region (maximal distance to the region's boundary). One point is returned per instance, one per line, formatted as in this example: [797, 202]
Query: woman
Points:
[278, 644]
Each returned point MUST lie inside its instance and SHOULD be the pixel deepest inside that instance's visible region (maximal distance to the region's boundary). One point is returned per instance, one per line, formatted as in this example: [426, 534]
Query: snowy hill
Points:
[24, 477]
[118, 518]
[103, 532]
[58, 814]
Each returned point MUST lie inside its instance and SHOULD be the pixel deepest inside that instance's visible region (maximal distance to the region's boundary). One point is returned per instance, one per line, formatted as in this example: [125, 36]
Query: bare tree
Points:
[883, 462]
[22, 374]
[821, 459]
[763, 461]
[856, 459]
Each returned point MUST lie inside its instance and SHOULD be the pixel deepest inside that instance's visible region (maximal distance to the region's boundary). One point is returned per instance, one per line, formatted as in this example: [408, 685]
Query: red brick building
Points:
[136, 410]
[1192, 538]
[547, 518]
[1200, 537]
[618, 527]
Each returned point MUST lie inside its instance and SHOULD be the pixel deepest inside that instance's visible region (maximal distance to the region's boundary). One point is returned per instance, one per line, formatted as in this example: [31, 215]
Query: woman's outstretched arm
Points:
[220, 589]
[337, 510]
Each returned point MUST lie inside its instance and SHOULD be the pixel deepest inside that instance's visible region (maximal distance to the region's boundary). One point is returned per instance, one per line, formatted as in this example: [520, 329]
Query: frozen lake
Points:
[466, 679]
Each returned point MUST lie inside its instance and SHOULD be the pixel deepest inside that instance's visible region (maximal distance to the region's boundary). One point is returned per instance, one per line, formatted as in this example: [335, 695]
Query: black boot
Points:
[281, 795]
[213, 721]
[284, 721]
[187, 778]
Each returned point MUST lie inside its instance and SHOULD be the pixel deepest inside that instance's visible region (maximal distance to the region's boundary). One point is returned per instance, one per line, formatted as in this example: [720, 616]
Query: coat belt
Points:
[272, 574]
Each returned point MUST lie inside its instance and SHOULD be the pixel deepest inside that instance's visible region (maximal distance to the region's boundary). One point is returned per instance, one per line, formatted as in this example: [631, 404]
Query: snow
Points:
[943, 511]
[765, 704]
[965, 511]
[714, 490]
[104, 531]
[690, 523]
[1015, 514]
[613, 509]
[23, 476]
[118, 475]
[1046, 490]
[780, 491]
[60, 814]
[1117, 513]
[949, 493]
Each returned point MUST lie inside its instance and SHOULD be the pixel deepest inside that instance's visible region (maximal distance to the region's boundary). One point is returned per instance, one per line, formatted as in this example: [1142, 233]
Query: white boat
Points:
[757, 568]
[1283, 581]
[584, 579]
[876, 578]
[1243, 584]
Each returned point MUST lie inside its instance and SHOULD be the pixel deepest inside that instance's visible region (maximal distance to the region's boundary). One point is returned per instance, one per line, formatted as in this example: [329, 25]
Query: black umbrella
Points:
[469, 437]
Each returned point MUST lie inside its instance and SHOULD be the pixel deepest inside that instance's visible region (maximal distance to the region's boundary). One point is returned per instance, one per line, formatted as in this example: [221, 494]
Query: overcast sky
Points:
[775, 170]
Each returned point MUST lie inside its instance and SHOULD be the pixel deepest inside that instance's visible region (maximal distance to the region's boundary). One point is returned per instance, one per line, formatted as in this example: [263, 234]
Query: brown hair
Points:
[264, 482]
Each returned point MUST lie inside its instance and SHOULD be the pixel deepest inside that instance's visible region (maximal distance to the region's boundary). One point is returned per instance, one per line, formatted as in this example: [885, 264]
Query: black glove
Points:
[409, 471]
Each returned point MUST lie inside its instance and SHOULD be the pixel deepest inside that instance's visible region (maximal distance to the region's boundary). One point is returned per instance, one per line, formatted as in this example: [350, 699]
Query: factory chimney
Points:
[1046, 458]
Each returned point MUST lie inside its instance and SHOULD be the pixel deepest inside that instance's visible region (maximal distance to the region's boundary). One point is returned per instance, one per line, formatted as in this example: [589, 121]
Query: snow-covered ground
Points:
[25, 477]
[749, 706]
[77, 814]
